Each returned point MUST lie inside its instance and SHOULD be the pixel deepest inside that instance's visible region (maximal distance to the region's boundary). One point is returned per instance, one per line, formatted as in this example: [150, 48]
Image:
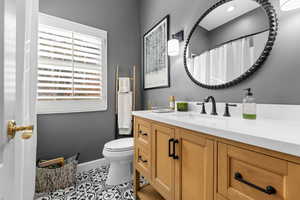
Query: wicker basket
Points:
[50, 180]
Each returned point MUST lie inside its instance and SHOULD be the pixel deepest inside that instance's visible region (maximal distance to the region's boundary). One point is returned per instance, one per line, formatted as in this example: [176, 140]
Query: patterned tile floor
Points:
[91, 186]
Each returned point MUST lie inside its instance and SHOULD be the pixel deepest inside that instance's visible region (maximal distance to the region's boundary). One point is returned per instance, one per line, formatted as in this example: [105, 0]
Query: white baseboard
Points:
[91, 165]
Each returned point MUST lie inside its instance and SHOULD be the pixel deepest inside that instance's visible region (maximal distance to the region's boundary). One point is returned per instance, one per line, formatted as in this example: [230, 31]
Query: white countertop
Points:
[278, 135]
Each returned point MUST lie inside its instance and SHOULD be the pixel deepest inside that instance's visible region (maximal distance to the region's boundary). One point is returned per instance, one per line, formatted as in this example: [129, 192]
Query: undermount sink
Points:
[194, 117]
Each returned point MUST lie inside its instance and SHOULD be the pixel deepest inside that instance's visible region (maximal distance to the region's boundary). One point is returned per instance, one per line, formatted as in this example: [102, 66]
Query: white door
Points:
[18, 61]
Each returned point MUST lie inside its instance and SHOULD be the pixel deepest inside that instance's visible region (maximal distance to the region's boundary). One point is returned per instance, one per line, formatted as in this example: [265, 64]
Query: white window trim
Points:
[74, 106]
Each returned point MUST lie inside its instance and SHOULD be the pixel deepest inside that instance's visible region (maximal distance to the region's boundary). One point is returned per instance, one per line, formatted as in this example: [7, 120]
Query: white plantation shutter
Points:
[69, 65]
[72, 66]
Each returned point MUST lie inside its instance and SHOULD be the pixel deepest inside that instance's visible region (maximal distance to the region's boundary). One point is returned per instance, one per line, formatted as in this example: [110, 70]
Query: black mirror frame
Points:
[273, 23]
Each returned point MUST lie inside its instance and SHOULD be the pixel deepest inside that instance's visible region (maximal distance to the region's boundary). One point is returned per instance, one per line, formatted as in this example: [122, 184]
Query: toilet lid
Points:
[124, 144]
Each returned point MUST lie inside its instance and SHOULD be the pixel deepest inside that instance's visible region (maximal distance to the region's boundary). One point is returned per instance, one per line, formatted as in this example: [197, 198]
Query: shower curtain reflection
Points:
[227, 61]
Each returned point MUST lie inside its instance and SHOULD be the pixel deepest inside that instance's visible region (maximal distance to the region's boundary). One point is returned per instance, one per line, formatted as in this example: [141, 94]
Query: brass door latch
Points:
[12, 128]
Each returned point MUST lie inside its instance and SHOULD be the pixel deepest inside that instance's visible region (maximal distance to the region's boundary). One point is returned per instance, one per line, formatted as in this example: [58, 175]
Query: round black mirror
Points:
[229, 42]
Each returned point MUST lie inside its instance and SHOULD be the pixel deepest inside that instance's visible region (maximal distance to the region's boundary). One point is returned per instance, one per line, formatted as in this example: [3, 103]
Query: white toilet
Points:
[119, 153]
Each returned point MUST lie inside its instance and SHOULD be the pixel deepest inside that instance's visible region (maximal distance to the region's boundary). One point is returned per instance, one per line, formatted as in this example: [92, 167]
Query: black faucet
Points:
[226, 112]
[203, 111]
[213, 101]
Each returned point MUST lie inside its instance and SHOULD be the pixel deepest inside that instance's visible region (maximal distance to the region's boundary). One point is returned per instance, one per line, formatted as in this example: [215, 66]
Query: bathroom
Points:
[127, 23]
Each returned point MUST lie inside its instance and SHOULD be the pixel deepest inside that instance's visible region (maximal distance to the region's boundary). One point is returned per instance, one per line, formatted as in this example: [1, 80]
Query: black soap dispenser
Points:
[249, 105]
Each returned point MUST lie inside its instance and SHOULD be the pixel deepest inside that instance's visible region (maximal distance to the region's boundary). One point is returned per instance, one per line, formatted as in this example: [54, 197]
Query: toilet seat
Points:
[119, 145]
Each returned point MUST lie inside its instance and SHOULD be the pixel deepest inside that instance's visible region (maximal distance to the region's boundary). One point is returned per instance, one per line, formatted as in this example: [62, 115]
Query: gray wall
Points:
[200, 41]
[249, 23]
[65, 134]
[276, 82]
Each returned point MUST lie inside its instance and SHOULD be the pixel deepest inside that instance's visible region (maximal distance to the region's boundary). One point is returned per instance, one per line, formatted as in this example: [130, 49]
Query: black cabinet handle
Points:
[141, 159]
[170, 141]
[269, 189]
[174, 149]
[143, 133]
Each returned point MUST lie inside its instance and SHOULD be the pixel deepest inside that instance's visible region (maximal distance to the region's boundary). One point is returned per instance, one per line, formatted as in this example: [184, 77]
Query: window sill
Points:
[65, 107]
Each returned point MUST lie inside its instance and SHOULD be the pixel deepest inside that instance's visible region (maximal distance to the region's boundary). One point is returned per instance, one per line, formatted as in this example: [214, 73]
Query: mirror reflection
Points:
[227, 42]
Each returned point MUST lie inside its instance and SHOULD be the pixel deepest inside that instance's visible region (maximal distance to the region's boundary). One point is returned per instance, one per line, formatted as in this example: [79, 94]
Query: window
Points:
[72, 67]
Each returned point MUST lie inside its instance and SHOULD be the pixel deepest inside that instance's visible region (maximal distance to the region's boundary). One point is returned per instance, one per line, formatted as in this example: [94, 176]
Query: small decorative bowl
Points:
[182, 106]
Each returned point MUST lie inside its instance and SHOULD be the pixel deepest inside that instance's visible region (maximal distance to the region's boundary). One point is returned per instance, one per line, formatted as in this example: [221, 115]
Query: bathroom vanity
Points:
[189, 156]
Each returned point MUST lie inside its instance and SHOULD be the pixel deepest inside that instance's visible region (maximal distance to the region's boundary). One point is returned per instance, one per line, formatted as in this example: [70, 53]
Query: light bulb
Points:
[230, 8]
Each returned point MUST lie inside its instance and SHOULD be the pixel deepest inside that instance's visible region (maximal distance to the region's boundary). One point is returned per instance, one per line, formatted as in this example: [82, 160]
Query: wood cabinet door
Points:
[163, 166]
[249, 175]
[142, 161]
[142, 132]
[194, 167]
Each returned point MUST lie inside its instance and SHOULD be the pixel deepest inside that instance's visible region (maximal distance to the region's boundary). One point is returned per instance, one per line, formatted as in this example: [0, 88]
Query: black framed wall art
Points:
[156, 71]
